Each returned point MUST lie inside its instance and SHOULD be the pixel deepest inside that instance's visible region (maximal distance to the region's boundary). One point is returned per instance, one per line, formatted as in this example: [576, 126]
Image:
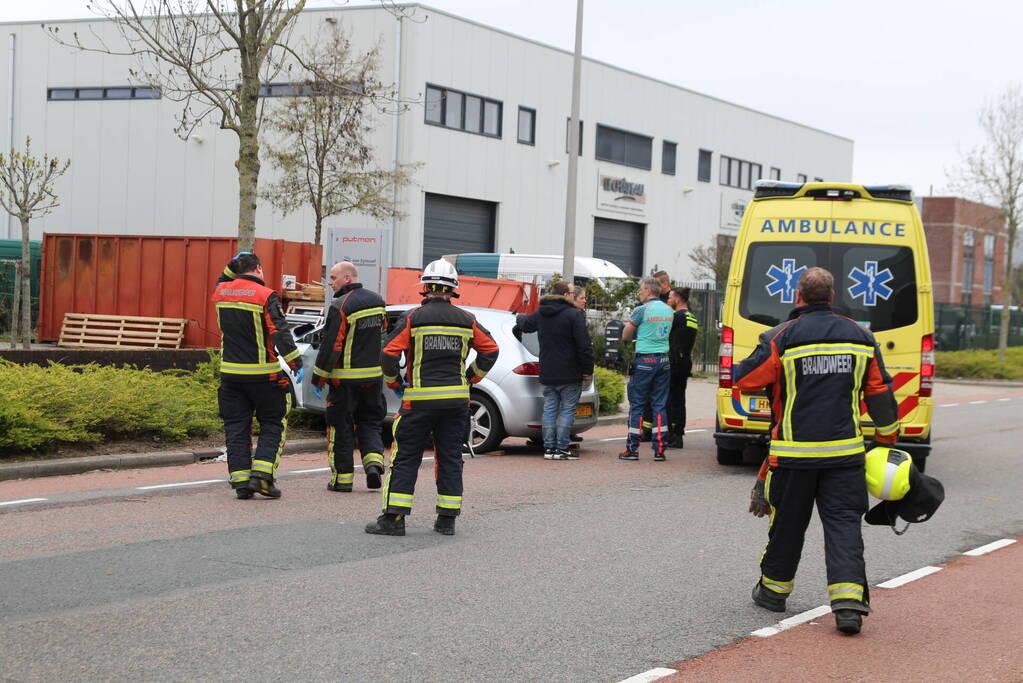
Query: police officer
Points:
[349, 361]
[819, 365]
[252, 380]
[680, 344]
[650, 325]
[435, 339]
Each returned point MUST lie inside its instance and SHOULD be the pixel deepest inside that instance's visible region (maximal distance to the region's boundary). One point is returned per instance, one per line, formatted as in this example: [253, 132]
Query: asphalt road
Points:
[594, 569]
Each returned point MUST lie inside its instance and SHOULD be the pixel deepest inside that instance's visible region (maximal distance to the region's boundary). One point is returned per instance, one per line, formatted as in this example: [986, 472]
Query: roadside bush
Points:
[610, 388]
[981, 364]
[43, 407]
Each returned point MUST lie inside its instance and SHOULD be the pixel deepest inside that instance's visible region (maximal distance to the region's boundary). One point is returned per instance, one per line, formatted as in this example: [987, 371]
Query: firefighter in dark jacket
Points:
[680, 345]
[252, 380]
[819, 365]
[349, 361]
[435, 339]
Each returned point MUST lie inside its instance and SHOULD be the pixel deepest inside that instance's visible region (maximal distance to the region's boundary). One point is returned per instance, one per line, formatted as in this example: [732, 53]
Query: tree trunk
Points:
[15, 305]
[1007, 289]
[248, 184]
[319, 228]
[26, 287]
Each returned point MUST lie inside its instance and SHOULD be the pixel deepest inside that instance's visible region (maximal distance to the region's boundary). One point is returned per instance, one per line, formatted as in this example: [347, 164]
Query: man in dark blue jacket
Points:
[566, 362]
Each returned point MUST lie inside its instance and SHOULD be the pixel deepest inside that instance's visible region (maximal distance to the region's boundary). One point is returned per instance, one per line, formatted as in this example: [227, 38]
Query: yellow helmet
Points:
[888, 472]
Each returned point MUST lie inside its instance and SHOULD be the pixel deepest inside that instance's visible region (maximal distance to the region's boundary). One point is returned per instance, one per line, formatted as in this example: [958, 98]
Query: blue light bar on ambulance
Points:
[901, 192]
[775, 188]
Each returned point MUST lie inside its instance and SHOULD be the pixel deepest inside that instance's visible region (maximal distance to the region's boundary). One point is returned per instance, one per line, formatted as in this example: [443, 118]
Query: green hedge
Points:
[980, 364]
[610, 388]
[42, 408]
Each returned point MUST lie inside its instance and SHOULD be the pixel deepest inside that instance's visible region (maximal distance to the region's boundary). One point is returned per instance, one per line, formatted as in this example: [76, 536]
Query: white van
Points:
[534, 268]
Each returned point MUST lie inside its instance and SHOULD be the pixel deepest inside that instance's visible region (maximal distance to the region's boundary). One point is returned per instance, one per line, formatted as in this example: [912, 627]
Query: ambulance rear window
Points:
[875, 285]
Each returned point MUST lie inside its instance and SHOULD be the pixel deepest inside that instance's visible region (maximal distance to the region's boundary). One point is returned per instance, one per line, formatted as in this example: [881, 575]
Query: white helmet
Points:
[440, 272]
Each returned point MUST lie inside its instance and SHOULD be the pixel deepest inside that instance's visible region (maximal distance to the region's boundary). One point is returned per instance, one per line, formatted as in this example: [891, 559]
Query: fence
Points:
[959, 328]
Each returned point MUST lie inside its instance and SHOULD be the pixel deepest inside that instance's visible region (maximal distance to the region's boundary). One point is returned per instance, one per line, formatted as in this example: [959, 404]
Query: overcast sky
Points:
[903, 78]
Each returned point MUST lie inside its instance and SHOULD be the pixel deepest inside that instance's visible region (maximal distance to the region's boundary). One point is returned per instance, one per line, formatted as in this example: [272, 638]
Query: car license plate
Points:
[759, 404]
[584, 410]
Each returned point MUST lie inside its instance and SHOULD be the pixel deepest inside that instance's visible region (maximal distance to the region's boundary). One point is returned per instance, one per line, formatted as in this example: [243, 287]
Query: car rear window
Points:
[532, 343]
[875, 285]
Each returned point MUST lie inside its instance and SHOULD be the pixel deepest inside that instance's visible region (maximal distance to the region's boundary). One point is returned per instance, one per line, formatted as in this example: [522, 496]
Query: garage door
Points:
[455, 225]
[619, 242]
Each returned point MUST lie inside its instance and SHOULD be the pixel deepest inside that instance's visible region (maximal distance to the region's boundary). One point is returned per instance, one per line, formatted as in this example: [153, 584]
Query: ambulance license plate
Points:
[759, 404]
[584, 410]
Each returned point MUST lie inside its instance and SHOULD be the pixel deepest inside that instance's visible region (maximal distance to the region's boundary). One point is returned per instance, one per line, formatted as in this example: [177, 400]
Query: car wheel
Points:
[728, 456]
[485, 424]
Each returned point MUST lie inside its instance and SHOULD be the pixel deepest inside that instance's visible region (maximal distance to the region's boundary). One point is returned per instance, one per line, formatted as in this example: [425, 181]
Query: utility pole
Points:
[568, 266]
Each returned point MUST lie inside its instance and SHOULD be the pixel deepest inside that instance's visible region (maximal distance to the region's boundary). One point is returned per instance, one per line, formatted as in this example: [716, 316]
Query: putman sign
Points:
[618, 194]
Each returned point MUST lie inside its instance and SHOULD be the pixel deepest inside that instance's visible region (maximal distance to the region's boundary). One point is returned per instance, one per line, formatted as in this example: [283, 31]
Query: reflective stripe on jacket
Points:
[819, 364]
[254, 331]
[435, 339]
[350, 348]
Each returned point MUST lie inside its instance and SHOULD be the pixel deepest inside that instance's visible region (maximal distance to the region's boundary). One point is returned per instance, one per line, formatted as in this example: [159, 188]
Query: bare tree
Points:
[323, 151]
[213, 56]
[993, 172]
[28, 184]
[711, 261]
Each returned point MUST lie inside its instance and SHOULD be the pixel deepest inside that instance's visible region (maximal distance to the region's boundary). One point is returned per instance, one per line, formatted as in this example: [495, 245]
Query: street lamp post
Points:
[568, 265]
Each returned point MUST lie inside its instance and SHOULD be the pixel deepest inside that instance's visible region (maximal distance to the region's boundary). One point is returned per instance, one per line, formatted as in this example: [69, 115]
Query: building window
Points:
[462, 111]
[527, 126]
[623, 147]
[989, 266]
[968, 254]
[703, 166]
[775, 173]
[800, 177]
[668, 157]
[568, 136]
[739, 173]
[122, 92]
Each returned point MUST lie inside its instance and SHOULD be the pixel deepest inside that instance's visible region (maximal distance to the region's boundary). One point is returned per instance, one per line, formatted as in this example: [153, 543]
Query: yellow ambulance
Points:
[872, 241]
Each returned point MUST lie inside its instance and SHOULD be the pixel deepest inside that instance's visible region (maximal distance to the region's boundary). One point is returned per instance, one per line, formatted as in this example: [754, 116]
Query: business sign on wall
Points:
[732, 209]
[619, 194]
[368, 249]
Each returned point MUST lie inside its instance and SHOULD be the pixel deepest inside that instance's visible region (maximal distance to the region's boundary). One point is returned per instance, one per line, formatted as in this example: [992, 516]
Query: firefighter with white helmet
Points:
[435, 338]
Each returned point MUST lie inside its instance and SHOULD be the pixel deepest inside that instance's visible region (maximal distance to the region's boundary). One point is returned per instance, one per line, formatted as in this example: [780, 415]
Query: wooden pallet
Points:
[95, 331]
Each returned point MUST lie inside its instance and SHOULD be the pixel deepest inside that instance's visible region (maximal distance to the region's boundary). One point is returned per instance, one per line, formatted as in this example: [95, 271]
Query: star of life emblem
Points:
[784, 280]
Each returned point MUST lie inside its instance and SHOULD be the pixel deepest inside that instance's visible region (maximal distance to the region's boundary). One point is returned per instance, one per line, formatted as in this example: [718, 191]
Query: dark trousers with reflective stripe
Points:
[841, 497]
[239, 401]
[413, 431]
[354, 411]
[680, 371]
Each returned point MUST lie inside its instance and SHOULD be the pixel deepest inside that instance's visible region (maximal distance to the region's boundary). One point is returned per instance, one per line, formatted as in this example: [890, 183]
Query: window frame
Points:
[531, 141]
[775, 173]
[568, 136]
[800, 177]
[135, 92]
[464, 96]
[665, 144]
[738, 173]
[628, 135]
[699, 166]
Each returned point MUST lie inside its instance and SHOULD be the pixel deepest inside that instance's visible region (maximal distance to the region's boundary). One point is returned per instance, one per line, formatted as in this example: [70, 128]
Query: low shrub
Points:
[981, 364]
[44, 407]
[610, 388]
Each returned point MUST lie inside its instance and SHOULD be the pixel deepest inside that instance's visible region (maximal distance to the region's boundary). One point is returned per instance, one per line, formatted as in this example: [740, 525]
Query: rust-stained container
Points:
[518, 297]
[161, 277]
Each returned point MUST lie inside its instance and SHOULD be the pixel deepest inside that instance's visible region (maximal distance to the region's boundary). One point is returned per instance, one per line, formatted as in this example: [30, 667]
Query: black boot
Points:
[444, 525]
[768, 599]
[848, 621]
[373, 473]
[243, 493]
[387, 525]
[264, 487]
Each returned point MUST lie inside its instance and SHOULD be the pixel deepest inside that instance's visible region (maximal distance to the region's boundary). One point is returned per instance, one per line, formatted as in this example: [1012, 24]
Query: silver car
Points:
[509, 400]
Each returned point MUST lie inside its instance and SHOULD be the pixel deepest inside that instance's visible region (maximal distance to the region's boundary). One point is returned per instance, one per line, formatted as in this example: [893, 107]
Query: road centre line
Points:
[21, 501]
[183, 483]
[973, 403]
[789, 622]
[910, 576]
[315, 469]
[994, 545]
[1002, 399]
[651, 675]
[947, 405]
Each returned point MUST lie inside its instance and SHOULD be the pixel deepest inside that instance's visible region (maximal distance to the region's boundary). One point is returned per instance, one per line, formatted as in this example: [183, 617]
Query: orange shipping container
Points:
[518, 297]
[161, 277]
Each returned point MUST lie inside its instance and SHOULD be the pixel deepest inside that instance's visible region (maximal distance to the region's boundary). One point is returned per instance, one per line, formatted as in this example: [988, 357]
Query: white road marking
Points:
[183, 483]
[994, 545]
[973, 403]
[789, 622]
[693, 431]
[614, 438]
[947, 405]
[911, 576]
[651, 675]
[21, 501]
[315, 469]
[1003, 399]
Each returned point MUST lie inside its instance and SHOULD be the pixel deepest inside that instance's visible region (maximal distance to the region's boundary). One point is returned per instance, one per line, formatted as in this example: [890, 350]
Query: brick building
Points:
[966, 241]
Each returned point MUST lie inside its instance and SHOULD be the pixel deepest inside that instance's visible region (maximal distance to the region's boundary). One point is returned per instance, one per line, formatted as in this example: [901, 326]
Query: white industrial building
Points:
[662, 168]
